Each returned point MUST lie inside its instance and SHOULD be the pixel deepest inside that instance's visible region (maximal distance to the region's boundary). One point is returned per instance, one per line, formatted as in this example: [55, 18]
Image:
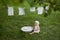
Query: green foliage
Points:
[15, 2]
[54, 4]
[58, 2]
[21, 1]
[26, 5]
[4, 3]
[31, 2]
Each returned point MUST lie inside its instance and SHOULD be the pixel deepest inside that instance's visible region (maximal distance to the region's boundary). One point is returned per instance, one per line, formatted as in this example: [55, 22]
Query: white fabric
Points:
[21, 11]
[40, 10]
[27, 29]
[10, 11]
[32, 9]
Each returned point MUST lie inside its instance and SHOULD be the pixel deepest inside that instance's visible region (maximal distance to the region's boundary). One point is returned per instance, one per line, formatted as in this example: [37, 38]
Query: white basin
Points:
[27, 29]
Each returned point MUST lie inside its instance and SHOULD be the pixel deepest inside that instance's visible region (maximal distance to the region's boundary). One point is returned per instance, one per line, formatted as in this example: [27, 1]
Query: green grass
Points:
[10, 26]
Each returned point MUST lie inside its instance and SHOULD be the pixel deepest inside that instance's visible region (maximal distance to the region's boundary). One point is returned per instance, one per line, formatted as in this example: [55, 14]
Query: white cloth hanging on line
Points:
[40, 10]
[47, 8]
[21, 11]
[32, 9]
[10, 11]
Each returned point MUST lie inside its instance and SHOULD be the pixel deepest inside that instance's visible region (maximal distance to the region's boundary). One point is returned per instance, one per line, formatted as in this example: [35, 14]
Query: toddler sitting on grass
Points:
[36, 28]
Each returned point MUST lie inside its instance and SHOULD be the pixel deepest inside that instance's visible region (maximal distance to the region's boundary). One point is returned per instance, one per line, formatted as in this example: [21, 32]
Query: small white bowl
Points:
[27, 29]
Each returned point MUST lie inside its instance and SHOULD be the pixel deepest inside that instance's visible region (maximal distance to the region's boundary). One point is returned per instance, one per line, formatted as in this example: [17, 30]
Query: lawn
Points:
[10, 25]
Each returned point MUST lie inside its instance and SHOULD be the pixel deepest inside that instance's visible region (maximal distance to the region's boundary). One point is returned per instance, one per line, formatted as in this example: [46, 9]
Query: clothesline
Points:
[40, 10]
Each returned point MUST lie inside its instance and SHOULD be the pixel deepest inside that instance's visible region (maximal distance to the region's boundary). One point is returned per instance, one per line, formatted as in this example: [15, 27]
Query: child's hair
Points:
[37, 22]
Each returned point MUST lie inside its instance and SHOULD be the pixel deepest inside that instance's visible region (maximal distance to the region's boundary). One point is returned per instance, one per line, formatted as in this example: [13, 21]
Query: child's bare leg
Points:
[32, 33]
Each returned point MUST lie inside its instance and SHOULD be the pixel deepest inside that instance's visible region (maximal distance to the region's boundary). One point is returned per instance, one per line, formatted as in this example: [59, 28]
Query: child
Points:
[36, 28]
